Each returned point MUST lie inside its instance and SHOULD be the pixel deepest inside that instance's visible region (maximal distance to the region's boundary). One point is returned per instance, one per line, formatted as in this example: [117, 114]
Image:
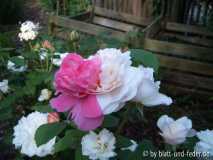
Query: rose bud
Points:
[52, 50]
[74, 36]
[53, 117]
[46, 44]
[38, 46]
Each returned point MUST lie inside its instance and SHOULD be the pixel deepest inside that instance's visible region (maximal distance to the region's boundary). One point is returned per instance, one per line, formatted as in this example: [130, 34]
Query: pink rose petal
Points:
[84, 123]
[63, 102]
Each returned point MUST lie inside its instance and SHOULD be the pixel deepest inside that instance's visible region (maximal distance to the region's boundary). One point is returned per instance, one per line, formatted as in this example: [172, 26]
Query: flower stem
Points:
[31, 48]
[130, 107]
[51, 64]
[47, 60]
[41, 62]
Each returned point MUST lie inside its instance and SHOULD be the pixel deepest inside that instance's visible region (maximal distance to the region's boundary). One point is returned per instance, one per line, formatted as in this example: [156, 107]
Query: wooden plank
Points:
[188, 28]
[185, 79]
[205, 42]
[178, 49]
[153, 26]
[105, 4]
[185, 65]
[183, 91]
[92, 12]
[141, 10]
[123, 16]
[98, 3]
[113, 24]
[135, 7]
[86, 27]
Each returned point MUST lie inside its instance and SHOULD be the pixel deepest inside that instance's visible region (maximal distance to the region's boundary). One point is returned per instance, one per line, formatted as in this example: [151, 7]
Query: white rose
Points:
[4, 86]
[148, 90]
[118, 80]
[24, 133]
[206, 142]
[28, 31]
[99, 146]
[175, 132]
[45, 95]
[11, 66]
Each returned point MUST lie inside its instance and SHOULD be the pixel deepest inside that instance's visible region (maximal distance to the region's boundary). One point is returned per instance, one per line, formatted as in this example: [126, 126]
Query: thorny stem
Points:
[130, 107]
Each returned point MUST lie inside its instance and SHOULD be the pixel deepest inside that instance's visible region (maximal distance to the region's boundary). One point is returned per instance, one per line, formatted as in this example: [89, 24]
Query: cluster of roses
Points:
[94, 87]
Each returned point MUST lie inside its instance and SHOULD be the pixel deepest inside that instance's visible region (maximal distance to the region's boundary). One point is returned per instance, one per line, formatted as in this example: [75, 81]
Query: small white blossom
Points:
[132, 147]
[4, 86]
[99, 146]
[28, 31]
[11, 66]
[45, 95]
[24, 133]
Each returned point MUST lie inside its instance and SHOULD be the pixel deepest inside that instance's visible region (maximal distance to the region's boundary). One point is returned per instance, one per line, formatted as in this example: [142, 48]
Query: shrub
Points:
[10, 10]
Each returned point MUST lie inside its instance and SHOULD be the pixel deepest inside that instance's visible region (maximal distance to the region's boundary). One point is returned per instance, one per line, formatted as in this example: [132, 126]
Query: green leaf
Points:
[104, 33]
[51, 79]
[43, 109]
[145, 145]
[29, 89]
[48, 131]
[35, 81]
[132, 34]
[124, 154]
[146, 57]
[44, 38]
[64, 143]
[140, 108]
[90, 41]
[4, 54]
[8, 139]
[141, 117]
[31, 55]
[110, 121]
[76, 132]
[112, 42]
[17, 93]
[7, 49]
[190, 143]
[7, 101]
[122, 142]
[18, 61]
[5, 116]
[79, 155]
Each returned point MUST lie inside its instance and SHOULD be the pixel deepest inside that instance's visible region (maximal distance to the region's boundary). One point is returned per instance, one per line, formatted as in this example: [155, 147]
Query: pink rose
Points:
[77, 80]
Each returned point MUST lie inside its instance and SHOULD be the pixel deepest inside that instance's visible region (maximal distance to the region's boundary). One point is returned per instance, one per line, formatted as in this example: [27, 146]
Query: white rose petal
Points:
[206, 142]
[24, 133]
[45, 95]
[99, 146]
[4, 86]
[132, 147]
[175, 132]
[118, 80]
[148, 90]
[28, 31]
